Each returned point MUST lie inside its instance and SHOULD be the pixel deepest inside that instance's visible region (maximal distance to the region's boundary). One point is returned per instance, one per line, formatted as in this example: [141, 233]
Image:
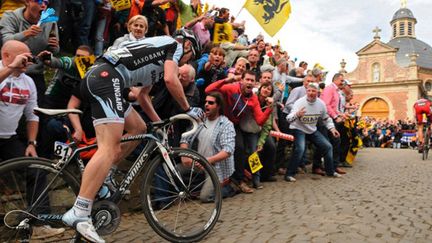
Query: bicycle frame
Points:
[153, 144]
[136, 168]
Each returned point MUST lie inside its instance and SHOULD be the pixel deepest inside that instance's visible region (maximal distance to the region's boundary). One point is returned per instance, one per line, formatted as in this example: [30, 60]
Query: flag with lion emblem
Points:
[270, 14]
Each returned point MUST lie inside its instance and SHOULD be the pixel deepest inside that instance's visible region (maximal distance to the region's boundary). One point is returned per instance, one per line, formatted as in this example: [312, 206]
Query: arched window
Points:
[428, 85]
[394, 30]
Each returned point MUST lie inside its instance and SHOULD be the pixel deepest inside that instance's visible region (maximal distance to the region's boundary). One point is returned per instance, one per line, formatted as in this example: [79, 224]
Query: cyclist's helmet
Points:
[189, 35]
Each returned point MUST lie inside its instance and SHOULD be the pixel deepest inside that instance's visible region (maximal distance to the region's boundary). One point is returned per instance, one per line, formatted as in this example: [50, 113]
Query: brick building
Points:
[391, 76]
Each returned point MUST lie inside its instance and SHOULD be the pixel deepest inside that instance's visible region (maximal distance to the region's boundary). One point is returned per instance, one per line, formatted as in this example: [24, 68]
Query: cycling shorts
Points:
[103, 89]
[421, 108]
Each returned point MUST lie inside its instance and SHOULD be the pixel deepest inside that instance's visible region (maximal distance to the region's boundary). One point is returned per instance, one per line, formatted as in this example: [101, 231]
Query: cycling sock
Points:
[82, 207]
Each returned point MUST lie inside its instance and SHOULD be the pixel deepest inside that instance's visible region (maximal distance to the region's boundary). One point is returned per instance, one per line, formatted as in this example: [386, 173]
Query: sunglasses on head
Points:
[210, 102]
[40, 2]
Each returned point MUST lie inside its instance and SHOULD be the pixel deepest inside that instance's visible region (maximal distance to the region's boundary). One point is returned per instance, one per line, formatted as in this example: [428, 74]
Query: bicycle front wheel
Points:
[29, 188]
[186, 209]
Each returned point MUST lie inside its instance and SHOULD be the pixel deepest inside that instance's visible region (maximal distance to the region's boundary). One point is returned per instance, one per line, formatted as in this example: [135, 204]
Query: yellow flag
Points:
[206, 8]
[199, 10]
[84, 63]
[165, 6]
[119, 5]
[222, 33]
[271, 15]
[254, 162]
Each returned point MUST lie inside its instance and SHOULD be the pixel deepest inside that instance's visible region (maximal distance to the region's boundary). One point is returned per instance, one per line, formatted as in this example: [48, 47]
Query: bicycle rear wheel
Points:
[426, 143]
[174, 211]
[22, 182]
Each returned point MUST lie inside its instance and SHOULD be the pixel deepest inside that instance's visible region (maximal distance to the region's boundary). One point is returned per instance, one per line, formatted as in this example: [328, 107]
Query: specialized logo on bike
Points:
[117, 94]
[133, 172]
[50, 216]
[104, 74]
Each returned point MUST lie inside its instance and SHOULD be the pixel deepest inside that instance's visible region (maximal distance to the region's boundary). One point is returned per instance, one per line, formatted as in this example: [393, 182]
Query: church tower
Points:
[403, 23]
[391, 76]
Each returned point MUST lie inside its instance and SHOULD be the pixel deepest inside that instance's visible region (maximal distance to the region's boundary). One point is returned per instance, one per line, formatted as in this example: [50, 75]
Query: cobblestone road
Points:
[386, 197]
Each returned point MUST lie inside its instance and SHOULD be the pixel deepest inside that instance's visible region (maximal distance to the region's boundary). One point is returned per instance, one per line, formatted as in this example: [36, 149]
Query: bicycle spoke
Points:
[164, 198]
[163, 190]
[190, 219]
[197, 186]
[163, 178]
[166, 206]
[18, 191]
[190, 175]
[200, 205]
[177, 216]
[34, 186]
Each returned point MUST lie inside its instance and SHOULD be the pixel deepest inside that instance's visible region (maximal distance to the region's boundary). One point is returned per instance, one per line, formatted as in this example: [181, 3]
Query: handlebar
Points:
[177, 118]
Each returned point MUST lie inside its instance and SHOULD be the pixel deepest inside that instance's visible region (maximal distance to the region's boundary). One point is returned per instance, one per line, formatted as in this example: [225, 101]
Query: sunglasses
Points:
[210, 102]
[40, 2]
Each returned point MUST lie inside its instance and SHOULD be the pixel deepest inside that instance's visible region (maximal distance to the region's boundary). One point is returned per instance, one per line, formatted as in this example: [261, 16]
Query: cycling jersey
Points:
[422, 106]
[133, 63]
[141, 63]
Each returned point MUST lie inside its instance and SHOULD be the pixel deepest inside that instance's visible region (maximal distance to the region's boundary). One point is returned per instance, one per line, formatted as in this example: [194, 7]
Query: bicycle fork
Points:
[169, 168]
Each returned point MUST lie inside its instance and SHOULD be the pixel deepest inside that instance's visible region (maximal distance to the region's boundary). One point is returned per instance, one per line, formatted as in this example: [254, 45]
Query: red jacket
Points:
[233, 97]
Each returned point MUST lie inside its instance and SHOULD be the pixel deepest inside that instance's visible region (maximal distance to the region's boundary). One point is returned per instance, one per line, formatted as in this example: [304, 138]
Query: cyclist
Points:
[138, 63]
[422, 106]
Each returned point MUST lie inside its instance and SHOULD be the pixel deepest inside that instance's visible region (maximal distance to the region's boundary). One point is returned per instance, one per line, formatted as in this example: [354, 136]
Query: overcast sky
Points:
[326, 31]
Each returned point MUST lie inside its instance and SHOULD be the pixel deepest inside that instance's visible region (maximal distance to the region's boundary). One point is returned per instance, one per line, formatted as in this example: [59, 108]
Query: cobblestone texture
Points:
[386, 197]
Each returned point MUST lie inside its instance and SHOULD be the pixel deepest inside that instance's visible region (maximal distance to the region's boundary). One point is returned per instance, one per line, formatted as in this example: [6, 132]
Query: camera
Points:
[33, 59]
[46, 57]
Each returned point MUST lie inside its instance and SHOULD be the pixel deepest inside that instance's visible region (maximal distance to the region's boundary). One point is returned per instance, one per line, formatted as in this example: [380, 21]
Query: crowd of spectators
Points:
[91, 27]
[247, 88]
[383, 133]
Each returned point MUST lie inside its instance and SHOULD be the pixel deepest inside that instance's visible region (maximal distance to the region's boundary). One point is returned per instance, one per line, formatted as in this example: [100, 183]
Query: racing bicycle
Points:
[38, 191]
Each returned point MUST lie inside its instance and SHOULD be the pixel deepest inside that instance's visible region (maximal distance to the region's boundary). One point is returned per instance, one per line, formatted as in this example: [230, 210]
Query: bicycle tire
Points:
[426, 143]
[164, 220]
[22, 180]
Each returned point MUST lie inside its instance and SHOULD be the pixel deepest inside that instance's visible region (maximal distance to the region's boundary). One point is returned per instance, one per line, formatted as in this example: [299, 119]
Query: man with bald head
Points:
[18, 96]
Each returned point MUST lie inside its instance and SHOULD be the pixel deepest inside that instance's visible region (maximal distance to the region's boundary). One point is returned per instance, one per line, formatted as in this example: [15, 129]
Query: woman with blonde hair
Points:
[137, 27]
